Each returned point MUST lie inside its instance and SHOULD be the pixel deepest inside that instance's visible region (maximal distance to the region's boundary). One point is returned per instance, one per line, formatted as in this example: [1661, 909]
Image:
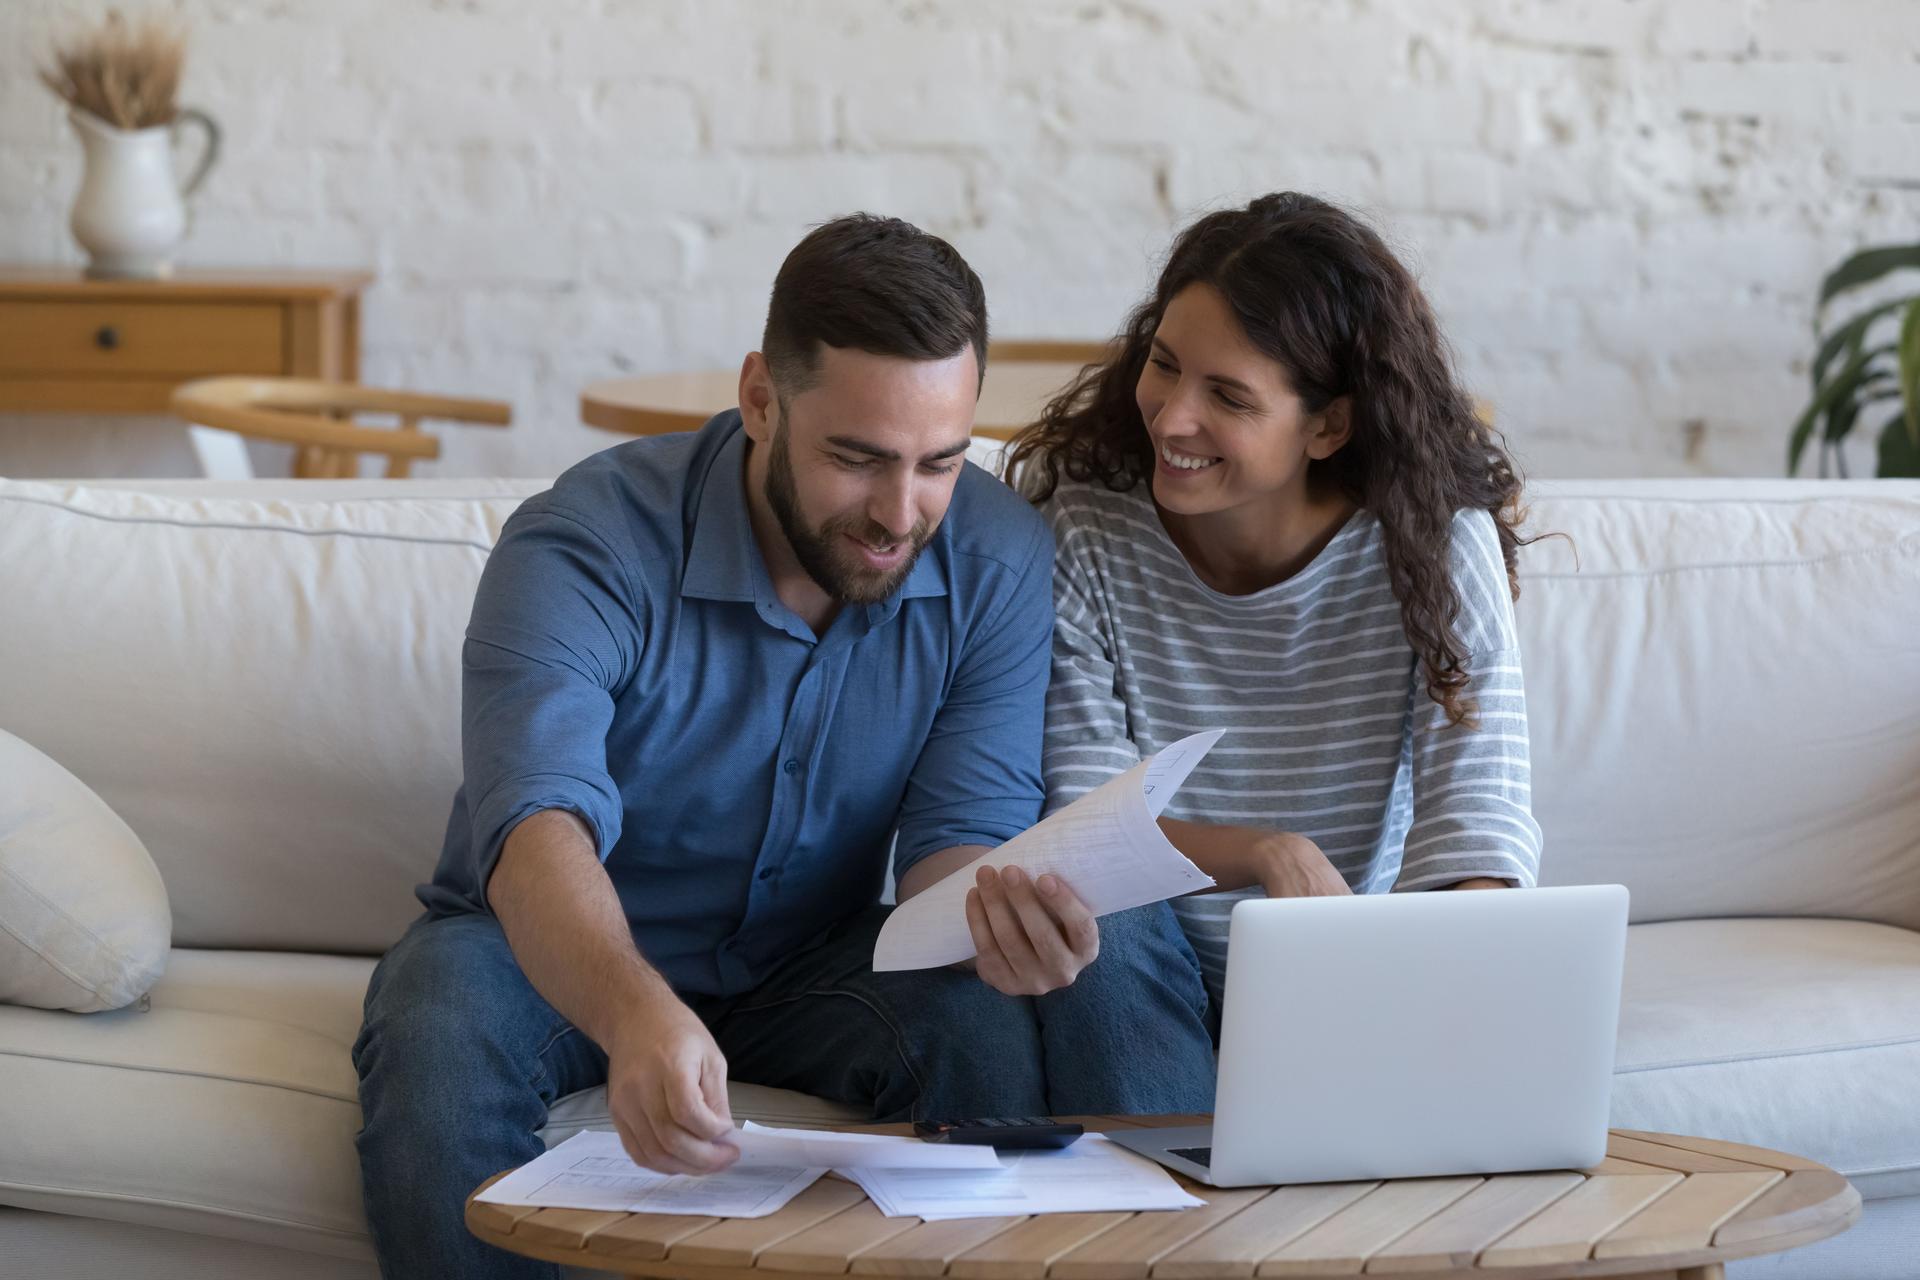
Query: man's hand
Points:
[1032, 936]
[667, 1091]
[1292, 866]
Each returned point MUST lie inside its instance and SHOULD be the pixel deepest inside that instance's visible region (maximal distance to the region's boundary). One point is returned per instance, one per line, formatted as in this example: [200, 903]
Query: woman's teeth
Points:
[1185, 461]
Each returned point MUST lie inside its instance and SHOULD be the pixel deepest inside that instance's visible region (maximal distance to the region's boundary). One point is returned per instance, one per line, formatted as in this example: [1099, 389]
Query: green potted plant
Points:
[1871, 359]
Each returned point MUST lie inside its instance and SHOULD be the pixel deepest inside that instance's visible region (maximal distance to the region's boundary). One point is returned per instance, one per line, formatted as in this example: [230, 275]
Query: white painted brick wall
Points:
[1621, 207]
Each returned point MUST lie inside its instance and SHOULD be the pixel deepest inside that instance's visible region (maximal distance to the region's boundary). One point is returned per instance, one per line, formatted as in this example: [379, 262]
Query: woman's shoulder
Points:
[1090, 508]
[1479, 568]
[1476, 542]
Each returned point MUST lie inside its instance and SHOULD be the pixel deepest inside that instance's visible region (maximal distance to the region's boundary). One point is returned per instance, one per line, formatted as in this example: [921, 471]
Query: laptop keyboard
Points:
[1202, 1156]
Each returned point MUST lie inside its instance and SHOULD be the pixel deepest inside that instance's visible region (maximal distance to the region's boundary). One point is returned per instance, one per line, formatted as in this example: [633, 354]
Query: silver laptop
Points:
[1410, 1035]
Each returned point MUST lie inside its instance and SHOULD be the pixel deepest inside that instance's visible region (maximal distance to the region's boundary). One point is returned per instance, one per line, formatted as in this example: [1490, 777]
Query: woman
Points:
[1277, 513]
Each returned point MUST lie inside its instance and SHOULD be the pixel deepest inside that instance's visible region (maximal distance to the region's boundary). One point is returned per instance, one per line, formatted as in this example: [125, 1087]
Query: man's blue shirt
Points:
[629, 661]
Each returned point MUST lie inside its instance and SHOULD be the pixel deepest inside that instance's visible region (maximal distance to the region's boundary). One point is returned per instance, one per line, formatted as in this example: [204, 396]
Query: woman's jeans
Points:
[460, 1058]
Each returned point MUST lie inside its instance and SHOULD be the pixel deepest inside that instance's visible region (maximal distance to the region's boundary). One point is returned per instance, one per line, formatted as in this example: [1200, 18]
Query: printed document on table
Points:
[1091, 1176]
[1106, 846]
[845, 1151]
[591, 1170]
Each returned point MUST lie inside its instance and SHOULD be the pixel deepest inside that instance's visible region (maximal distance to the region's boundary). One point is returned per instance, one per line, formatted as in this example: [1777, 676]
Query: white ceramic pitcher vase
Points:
[131, 213]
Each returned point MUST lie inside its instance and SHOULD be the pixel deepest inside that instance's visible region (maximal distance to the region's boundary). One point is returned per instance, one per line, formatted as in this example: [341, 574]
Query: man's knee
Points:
[970, 1049]
[446, 1005]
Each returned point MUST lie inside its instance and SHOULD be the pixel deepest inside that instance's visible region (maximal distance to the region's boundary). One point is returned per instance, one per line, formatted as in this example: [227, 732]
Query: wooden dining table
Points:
[1013, 395]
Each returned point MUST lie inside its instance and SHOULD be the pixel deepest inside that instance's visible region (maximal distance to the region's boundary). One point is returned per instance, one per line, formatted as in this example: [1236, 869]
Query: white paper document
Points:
[1106, 846]
[591, 1170]
[1091, 1176]
[844, 1152]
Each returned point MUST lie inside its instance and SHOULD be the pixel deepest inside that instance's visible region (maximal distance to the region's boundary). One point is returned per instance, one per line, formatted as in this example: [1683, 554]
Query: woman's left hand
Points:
[1032, 936]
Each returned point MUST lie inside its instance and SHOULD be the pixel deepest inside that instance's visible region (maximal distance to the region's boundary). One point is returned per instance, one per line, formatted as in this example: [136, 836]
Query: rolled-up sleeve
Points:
[977, 779]
[557, 626]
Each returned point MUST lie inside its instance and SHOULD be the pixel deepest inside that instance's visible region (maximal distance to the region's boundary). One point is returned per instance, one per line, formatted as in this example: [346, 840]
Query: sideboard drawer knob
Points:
[108, 338]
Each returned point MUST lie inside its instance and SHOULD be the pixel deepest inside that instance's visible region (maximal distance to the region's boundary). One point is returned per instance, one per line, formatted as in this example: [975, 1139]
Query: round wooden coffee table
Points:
[1659, 1204]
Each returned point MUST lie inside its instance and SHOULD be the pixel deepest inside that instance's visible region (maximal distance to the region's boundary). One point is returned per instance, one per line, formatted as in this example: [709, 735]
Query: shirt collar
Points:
[724, 560]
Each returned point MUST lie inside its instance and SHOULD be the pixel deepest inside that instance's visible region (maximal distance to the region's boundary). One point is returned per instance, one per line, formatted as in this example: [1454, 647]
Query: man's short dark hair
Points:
[873, 284]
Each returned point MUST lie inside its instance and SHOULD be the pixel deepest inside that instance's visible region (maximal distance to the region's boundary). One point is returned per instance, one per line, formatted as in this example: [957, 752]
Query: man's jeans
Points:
[460, 1058]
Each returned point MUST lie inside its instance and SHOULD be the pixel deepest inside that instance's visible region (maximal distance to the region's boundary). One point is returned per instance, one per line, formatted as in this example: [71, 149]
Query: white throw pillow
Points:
[84, 921]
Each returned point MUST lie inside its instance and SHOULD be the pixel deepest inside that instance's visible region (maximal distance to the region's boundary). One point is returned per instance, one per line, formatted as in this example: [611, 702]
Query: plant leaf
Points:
[1899, 456]
[1862, 268]
[1853, 332]
[1841, 416]
[1845, 383]
[1910, 370]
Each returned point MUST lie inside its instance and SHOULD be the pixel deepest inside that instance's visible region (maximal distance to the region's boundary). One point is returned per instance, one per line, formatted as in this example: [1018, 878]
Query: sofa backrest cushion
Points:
[1723, 686]
[1723, 683]
[266, 690]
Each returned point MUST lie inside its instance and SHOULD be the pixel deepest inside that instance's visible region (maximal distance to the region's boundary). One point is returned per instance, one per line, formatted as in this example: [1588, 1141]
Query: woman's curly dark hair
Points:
[1319, 292]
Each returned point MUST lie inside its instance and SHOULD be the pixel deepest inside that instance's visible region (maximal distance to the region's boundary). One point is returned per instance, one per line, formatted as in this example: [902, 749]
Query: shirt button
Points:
[791, 766]
[766, 873]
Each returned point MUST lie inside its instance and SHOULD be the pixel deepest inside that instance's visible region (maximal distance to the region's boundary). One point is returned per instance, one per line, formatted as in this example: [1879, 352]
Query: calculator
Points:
[1018, 1132]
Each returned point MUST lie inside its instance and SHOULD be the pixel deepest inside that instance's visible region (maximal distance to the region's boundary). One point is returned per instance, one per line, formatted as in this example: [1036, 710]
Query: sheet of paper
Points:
[1091, 1176]
[844, 1151]
[591, 1170]
[1106, 846]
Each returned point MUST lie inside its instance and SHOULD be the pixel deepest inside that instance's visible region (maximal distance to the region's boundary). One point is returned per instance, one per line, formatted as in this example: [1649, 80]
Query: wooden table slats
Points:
[1686, 1217]
[566, 1228]
[1680, 1205]
[1678, 1159]
[1567, 1229]
[1343, 1243]
[647, 1236]
[737, 1242]
[1129, 1251]
[928, 1248]
[1798, 1200]
[827, 1247]
[1732, 1150]
[1242, 1242]
[1032, 1246]
[1453, 1238]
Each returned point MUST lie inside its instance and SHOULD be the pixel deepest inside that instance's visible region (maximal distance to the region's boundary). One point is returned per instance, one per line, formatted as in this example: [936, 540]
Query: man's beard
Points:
[834, 566]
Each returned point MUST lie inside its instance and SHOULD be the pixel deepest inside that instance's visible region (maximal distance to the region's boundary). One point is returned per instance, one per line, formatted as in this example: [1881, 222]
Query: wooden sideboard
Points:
[73, 345]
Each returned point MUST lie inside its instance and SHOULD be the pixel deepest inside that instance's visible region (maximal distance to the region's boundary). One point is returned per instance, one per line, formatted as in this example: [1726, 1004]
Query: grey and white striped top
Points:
[1331, 732]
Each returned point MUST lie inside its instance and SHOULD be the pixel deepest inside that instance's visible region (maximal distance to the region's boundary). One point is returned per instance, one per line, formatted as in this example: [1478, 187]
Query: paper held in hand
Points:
[1107, 846]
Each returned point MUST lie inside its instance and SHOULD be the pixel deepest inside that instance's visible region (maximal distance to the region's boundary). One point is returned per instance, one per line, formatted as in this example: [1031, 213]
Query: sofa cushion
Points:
[1800, 1035]
[84, 924]
[1723, 694]
[262, 679]
[183, 1116]
[266, 689]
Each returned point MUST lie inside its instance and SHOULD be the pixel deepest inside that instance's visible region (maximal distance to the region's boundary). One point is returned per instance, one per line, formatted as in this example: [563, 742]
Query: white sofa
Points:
[263, 680]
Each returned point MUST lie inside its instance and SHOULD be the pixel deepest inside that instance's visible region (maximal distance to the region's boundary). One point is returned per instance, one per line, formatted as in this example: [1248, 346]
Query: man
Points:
[708, 678]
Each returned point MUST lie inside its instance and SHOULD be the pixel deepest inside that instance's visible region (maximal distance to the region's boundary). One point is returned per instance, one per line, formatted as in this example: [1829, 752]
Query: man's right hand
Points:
[1292, 866]
[667, 1091]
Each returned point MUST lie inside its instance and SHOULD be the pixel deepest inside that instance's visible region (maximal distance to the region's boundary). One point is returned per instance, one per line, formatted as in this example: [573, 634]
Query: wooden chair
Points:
[317, 419]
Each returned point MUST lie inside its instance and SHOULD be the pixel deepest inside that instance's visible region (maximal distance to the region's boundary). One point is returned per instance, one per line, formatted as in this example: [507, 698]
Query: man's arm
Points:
[978, 776]
[666, 1078]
